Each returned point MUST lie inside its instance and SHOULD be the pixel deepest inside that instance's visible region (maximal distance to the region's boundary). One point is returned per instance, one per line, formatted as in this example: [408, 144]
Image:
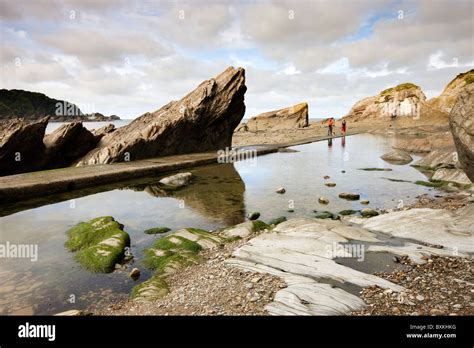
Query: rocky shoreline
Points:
[233, 280]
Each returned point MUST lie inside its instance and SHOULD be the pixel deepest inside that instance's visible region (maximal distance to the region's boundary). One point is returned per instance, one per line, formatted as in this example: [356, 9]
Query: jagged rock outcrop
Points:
[100, 132]
[446, 100]
[462, 126]
[68, 143]
[403, 100]
[21, 146]
[295, 116]
[203, 120]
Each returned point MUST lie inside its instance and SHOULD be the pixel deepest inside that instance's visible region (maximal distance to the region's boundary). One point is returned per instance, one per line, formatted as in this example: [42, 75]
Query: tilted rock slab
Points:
[461, 121]
[68, 143]
[204, 120]
[21, 146]
[295, 116]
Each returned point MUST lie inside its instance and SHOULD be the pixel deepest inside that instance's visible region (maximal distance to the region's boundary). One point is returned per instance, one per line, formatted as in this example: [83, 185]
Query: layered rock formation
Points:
[462, 126]
[203, 120]
[446, 100]
[68, 143]
[25, 148]
[400, 101]
[295, 116]
[21, 146]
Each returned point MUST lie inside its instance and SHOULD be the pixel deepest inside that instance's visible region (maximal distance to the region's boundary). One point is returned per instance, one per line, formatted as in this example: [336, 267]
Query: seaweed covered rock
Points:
[150, 290]
[99, 243]
[170, 254]
[179, 249]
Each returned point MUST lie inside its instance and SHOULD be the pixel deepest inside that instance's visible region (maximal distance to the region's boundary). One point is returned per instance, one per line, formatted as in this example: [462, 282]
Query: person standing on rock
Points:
[343, 127]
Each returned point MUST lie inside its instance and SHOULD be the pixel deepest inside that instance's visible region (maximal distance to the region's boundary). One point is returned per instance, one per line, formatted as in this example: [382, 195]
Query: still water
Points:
[220, 195]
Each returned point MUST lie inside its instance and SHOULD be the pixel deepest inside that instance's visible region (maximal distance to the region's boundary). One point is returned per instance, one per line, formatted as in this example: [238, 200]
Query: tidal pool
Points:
[220, 195]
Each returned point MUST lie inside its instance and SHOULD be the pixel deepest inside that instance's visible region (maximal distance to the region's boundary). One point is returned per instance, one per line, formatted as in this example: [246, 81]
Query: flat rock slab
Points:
[299, 251]
[452, 230]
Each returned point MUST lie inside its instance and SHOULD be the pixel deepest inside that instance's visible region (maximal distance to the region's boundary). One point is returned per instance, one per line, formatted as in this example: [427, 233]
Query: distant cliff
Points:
[17, 103]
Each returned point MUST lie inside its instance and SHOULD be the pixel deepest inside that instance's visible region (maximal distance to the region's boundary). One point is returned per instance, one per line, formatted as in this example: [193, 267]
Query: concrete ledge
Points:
[34, 184]
[18, 187]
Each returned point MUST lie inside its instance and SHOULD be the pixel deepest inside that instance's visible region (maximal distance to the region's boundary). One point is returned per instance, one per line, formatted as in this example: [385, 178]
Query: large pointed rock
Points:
[21, 146]
[68, 143]
[295, 116]
[461, 121]
[203, 120]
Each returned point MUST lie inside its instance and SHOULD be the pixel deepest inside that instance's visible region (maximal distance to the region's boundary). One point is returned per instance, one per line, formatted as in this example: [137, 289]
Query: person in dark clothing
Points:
[343, 127]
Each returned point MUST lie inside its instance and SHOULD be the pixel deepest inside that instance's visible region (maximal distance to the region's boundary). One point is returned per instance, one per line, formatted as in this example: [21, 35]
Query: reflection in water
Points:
[217, 191]
[219, 196]
[343, 141]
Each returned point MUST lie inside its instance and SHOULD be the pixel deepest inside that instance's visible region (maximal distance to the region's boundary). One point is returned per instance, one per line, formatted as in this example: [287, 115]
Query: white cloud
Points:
[129, 57]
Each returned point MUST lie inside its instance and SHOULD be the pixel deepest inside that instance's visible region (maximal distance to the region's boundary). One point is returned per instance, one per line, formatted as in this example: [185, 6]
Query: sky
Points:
[131, 57]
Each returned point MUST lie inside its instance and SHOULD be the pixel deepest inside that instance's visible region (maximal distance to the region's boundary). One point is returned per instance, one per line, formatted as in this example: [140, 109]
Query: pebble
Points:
[280, 190]
[134, 274]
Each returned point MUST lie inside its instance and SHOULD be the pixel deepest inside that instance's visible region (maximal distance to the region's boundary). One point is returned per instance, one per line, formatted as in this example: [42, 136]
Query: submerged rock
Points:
[326, 215]
[280, 190]
[203, 120]
[348, 212]
[134, 274]
[253, 215]
[367, 212]
[157, 230]
[349, 196]
[330, 184]
[277, 221]
[177, 180]
[462, 127]
[323, 200]
[295, 116]
[397, 157]
[99, 243]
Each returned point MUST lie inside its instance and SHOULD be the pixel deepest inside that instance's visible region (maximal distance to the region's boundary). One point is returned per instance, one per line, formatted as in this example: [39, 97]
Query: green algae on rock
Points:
[157, 230]
[150, 290]
[100, 243]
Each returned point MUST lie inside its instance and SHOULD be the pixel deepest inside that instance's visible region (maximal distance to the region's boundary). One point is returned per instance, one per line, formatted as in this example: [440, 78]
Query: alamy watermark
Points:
[346, 250]
[229, 155]
[21, 251]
